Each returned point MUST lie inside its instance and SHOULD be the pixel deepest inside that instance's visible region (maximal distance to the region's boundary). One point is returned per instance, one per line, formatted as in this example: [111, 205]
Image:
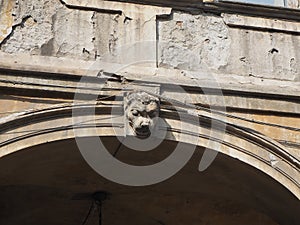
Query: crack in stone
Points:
[127, 20]
[14, 27]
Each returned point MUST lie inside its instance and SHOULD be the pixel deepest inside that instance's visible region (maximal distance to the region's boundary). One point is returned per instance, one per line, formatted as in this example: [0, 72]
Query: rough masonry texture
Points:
[51, 28]
[203, 41]
[193, 42]
[206, 41]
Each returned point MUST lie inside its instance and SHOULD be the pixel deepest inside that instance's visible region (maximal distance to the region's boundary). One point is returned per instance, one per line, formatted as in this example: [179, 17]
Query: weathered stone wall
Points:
[187, 41]
[293, 3]
[195, 41]
[51, 28]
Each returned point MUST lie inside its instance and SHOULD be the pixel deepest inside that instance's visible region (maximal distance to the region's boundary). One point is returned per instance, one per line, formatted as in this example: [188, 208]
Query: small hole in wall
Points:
[179, 23]
[127, 20]
[243, 59]
[84, 50]
[273, 50]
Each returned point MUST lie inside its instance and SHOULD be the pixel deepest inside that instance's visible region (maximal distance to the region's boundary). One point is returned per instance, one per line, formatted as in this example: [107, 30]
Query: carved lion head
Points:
[142, 111]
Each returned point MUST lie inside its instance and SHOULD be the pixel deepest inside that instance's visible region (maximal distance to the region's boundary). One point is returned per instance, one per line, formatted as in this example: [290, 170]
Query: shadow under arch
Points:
[51, 182]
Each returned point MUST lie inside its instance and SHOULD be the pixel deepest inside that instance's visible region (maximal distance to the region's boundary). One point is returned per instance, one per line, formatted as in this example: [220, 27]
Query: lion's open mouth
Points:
[142, 132]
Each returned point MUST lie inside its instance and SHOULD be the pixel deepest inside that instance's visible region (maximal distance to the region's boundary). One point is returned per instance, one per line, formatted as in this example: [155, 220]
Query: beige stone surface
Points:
[195, 41]
[84, 30]
[6, 18]
[278, 25]
[192, 42]
[293, 3]
[52, 28]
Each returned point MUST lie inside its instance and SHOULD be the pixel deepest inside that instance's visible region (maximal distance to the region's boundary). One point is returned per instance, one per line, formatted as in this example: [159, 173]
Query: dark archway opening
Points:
[52, 184]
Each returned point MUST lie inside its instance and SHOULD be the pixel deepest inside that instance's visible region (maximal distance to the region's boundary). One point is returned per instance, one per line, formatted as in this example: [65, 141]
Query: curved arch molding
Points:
[26, 129]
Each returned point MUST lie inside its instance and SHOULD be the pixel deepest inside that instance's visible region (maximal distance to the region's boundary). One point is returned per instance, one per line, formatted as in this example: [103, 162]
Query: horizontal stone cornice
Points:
[69, 71]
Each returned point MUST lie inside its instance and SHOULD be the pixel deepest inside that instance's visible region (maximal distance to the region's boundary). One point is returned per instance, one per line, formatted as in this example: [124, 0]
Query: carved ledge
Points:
[227, 6]
[268, 24]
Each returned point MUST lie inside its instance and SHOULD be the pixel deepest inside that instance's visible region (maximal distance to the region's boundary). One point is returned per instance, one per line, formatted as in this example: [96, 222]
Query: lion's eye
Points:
[134, 112]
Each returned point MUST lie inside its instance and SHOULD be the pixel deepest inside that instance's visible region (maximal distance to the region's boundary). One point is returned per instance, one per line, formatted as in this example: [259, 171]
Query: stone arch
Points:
[34, 127]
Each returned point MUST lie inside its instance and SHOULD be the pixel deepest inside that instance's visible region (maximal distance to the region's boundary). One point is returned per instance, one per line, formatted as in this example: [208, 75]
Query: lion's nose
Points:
[145, 123]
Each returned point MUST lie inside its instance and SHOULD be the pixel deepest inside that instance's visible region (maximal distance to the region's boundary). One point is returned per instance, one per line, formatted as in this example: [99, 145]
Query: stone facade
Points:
[224, 77]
